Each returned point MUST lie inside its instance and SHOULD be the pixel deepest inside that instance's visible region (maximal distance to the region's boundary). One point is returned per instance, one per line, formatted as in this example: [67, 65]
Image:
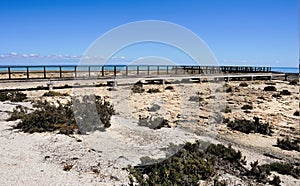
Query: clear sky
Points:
[239, 32]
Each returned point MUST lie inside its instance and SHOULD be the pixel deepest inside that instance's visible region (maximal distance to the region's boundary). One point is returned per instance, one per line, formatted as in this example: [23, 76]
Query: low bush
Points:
[276, 96]
[296, 113]
[137, 89]
[270, 88]
[153, 123]
[18, 113]
[188, 166]
[13, 96]
[283, 168]
[285, 92]
[53, 94]
[243, 84]
[195, 99]
[247, 107]
[154, 108]
[169, 88]
[288, 144]
[153, 90]
[247, 126]
[64, 117]
[226, 153]
[293, 82]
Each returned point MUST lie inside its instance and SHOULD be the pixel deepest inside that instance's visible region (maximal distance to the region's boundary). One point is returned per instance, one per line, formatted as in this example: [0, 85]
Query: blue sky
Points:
[239, 32]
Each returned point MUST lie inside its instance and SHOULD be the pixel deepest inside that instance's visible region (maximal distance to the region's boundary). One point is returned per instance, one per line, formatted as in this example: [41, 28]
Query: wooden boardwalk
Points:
[117, 71]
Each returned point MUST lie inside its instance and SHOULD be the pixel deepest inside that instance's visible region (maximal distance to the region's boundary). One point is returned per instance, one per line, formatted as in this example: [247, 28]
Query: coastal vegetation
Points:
[153, 122]
[193, 163]
[64, 118]
[288, 144]
[270, 88]
[248, 126]
[53, 93]
[13, 96]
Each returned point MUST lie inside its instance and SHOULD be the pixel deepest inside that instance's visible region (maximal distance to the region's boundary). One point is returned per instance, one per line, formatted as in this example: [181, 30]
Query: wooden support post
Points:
[102, 69]
[167, 70]
[157, 70]
[60, 72]
[137, 70]
[27, 72]
[45, 76]
[148, 69]
[115, 71]
[89, 69]
[175, 69]
[9, 73]
[126, 70]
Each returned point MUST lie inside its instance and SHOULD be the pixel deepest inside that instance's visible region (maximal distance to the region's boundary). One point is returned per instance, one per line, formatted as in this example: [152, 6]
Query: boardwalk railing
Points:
[52, 72]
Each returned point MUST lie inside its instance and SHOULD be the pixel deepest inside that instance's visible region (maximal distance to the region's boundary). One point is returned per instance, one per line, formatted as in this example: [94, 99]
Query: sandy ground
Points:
[99, 158]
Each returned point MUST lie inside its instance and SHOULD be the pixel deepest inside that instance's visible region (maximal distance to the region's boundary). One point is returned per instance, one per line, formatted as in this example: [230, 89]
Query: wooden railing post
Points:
[45, 73]
[9, 72]
[27, 72]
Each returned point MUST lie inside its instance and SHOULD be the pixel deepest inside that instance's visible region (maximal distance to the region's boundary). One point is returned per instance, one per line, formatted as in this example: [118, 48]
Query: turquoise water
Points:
[286, 69]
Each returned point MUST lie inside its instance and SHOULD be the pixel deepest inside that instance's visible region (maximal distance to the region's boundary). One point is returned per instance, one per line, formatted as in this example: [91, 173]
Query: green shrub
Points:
[169, 88]
[247, 107]
[285, 92]
[293, 82]
[137, 89]
[296, 113]
[153, 123]
[226, 153]
[247, 127]
[154, 108]
[243, 84]
[60, 117]
[195, 99]
[186, 167]
[276, 181]
[13, 96]
[270, 88]
[283, 168]
[288, 144]
[18, 113]
[153, 90]
[53, 93]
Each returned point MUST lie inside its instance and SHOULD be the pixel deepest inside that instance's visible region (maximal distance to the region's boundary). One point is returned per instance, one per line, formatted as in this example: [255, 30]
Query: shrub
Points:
[154, 108]
[247, 107]
[226, 153]
[285, 92]
[169, 88]
[276, 96]
[195, 98]
[67, 167]
[153, 90]
[153, 123]
[13, 96]
[52, 117]
[53, 94]
[283, 168]
[293, 82]
[227, 109]
[18, 113]
[243, 84]
[270, 88]
[288, 144]
[186, 167]
[296, 113]
[137, 89]
[276, 181]
[247, 127]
